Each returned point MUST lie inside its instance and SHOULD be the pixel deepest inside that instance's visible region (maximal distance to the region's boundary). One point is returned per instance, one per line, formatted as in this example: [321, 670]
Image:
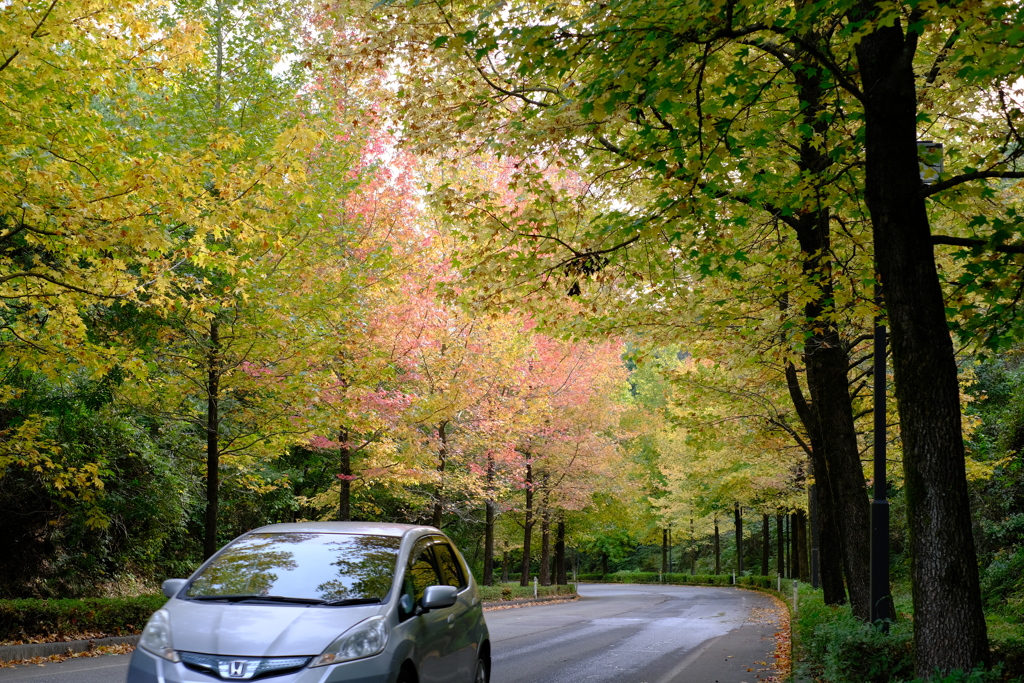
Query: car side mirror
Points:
[438, 597]
[171, 587]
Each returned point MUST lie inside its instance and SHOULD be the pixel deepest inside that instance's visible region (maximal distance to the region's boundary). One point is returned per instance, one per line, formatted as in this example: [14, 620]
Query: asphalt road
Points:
[637, 634]
[612, 634]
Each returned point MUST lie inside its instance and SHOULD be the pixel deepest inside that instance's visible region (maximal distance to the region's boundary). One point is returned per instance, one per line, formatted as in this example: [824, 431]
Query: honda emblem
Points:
[236, 669]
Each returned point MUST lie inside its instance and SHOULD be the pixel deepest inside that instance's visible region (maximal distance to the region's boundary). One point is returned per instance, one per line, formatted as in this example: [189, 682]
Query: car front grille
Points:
[241, 668]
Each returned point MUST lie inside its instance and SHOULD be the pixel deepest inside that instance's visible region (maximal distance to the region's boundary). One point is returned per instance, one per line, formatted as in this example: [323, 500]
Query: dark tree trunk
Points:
[506, 563]
[829, 417]
[664, 551]
[213, 375]
[524, 572]
[560, 576]
[489, 525]
[345, 481]
[718, 550]
[780, 533]
[803, 566]
[442, 462]
[545, 547]
[738, 520]
[488, 544]
[693, 550]
[832, 556]
[949, 626]
[794, 548]
[604, 563]
[766, 543]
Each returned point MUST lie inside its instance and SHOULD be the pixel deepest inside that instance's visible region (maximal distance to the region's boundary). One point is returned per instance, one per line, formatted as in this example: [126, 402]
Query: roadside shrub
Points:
[976, 676]
[31, 618]
[837, 647]
[1002, 584]
[1007, 644]
[513, 591]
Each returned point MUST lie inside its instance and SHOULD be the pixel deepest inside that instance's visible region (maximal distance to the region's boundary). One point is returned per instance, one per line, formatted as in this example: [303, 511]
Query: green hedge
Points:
[683, 579]
[513, 591]
[31, 618]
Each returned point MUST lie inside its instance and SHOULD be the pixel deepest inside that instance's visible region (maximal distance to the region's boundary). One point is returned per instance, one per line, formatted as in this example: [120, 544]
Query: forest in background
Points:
[560, 280]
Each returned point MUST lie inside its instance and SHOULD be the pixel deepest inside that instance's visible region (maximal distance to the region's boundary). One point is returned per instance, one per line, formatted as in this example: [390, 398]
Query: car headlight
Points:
[365, 639]
[156, 637]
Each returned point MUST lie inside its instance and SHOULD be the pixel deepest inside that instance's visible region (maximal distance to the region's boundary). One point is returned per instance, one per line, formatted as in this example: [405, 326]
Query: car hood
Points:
[260, 630]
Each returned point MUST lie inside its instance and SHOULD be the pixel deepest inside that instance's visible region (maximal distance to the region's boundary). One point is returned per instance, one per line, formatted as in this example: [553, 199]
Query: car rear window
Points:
[313, 566]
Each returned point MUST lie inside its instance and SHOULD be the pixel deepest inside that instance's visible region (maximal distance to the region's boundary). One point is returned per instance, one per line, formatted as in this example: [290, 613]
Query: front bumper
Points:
[146, 667]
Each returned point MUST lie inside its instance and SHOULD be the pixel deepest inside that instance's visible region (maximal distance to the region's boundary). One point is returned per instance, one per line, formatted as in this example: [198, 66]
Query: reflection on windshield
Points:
[302, 565]
[365, 569]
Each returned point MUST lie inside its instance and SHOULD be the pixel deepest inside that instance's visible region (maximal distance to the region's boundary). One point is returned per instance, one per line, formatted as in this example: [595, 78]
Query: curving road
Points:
[612, 634]
[638, 634]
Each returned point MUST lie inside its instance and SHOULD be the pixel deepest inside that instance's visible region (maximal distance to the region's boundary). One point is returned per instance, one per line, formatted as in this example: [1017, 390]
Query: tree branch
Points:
[972, 242]
[928, 190]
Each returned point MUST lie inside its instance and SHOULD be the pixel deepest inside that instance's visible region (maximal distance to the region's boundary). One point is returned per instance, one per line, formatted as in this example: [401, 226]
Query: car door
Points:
[431, 631]
[462, 617]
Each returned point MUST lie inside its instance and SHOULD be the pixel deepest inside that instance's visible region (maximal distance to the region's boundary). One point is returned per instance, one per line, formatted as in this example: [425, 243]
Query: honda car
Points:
[321, 602]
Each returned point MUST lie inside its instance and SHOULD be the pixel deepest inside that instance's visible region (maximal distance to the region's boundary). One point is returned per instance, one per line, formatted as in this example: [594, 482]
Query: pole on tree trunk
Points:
[881, 609]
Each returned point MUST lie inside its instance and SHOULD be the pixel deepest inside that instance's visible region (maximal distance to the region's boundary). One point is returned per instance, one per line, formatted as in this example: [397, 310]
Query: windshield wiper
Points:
[351, 601]
[257, 598]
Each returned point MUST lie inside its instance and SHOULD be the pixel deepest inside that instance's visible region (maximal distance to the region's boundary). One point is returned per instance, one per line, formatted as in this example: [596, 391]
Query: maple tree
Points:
[84, 209]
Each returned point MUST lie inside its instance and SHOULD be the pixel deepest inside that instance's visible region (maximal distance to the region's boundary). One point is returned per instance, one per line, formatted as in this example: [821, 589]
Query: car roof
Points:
[362, 528]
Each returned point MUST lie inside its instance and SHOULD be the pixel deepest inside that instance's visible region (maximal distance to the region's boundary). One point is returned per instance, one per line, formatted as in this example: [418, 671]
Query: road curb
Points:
[14, 653]
[522, 602]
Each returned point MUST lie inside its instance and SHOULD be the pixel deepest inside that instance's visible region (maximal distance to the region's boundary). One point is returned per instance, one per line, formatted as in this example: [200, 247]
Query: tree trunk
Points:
[560, 576]
[213, 375]
[949, 626]
[489, 544]
[830, 536]
[781, 545]
[693, 550]
[442, 461]
[664, 551]
[794, 548]
[738, 514]
[489, 525]
[766, 544]
[345, 480]
[829, 419]
[802, 564]
[524, 572]
[718, 550]
[505, 564]
[545, 547]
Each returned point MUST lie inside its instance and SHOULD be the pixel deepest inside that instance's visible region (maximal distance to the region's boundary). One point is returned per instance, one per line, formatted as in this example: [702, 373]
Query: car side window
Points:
[422, 570]
[449, 566]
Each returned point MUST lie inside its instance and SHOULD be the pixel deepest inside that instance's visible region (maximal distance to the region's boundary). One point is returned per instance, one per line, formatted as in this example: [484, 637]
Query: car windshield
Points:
[301, 567]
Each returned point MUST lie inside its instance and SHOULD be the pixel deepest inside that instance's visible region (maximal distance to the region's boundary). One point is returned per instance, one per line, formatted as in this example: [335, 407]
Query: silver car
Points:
[324, 602]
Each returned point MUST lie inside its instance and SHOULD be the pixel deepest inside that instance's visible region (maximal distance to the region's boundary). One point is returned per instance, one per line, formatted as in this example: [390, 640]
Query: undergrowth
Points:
[833, 646]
